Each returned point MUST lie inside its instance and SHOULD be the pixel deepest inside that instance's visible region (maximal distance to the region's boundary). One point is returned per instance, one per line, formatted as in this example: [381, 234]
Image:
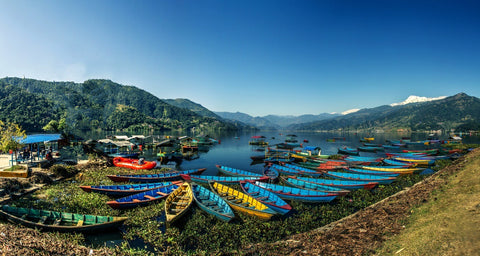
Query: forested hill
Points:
[97, 104]
[460, 112]
[192, 106]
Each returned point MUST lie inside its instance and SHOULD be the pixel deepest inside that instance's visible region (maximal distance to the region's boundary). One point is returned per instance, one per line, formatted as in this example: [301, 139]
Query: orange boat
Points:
[133, 163]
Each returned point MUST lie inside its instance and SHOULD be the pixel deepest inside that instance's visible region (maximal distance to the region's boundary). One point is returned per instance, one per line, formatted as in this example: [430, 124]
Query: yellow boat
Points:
[422, 162]
[409, 170]
[178, 202]
[242, 202]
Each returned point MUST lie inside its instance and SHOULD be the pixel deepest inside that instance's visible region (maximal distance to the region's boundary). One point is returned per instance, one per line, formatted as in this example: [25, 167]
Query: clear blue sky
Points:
[257, 57]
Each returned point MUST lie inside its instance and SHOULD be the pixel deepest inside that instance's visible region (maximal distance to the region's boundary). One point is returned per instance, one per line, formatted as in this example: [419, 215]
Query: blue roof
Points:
[310, 148]
[36, 138]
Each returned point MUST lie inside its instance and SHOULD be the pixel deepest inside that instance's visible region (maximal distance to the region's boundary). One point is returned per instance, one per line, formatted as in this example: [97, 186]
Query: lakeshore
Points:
[291, 242]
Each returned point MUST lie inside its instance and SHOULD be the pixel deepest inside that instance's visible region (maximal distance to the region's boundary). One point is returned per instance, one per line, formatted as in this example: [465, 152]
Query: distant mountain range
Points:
[104, 104]
[458, 112]
[274, 121]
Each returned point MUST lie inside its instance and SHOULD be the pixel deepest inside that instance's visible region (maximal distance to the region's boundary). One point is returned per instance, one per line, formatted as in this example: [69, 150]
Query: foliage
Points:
[92, 105]
[63, 170]
[10, 134]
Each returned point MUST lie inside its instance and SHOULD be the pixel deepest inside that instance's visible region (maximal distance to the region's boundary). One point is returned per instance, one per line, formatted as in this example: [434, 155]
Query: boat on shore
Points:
[178, 202]
[151, 178]
[142, 199]
[60, 221]
[125, 190]
[268, 198]
[242, 202]
[212, 203]
[135, 164]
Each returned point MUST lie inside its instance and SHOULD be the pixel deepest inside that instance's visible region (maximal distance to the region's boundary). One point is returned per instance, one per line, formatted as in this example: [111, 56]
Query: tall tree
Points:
[10, 136]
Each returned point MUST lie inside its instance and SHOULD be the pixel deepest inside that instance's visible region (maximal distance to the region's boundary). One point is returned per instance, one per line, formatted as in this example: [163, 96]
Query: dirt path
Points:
[363, 232]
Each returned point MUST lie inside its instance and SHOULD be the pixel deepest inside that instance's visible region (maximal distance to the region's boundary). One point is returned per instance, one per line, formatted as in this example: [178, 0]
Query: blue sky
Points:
[257, 57]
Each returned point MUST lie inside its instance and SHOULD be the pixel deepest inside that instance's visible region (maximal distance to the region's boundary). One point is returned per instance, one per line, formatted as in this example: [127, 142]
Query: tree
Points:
[10, 136]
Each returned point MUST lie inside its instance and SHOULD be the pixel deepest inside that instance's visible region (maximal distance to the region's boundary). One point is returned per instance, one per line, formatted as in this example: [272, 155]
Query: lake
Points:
[234, 150]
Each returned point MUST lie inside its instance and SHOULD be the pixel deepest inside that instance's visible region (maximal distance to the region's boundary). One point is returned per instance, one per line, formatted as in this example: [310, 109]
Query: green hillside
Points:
[96, 104]
[460, 112]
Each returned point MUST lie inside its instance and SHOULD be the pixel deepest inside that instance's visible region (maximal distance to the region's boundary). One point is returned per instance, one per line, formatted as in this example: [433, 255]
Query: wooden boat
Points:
[395, 169]
[371, 172]
[348, 151]
[268, 198]
[236, 172]
[416, 160]
[151, 178]
[271, 173]
[291, 171]
[360, 177]
[294, 182]
[342, 184]
[221, 179]
[424, 151]
[296, 194]
[178, 202]
[212, 203]
[142, 199]
[258, 140]
[242, 202]
[370, 149]
[60, 221]
[135, 164]
[124, 190]
[392, 162]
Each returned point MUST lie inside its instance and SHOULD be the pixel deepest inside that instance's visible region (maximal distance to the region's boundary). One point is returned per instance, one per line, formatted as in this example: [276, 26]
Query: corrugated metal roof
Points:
[37, 138]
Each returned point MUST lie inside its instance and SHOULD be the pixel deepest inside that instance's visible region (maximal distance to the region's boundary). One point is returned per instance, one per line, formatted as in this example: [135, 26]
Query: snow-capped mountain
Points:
[350, 111]
[416, 99]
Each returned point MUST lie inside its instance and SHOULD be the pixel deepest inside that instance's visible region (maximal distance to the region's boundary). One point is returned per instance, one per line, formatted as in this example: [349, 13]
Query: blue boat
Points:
[291, 171]
[396, 163]
[360, 177]
[221, 179]
[212, 203]
[296, 194]
[342, 184]
[150, 178]
[268, 198]
[142, 199]
[236, 172]
[271, 173]
[348, 151]
[294, 182]
[370, 149]
[371, 172]
[124, 190]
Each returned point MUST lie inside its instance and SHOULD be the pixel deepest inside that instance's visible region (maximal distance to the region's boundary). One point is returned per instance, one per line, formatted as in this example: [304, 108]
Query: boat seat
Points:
[136, 200]
[176, 210]
[161, 193]
[57, 221]
[179, 203]
[183, 197]
[149, 197]
[80, 223]
[42, 219]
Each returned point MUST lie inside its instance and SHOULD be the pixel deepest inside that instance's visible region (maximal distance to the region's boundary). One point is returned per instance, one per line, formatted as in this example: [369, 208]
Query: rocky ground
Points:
[358, 234]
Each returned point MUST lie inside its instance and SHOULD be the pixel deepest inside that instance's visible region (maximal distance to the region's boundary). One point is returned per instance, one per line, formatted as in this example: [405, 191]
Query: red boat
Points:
[135, 164]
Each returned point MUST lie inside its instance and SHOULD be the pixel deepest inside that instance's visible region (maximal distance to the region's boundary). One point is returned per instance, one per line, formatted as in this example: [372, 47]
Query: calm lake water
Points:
[235, 151]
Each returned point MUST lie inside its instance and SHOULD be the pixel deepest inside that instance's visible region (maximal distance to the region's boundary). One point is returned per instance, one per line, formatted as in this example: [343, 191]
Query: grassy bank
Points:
[449, 223]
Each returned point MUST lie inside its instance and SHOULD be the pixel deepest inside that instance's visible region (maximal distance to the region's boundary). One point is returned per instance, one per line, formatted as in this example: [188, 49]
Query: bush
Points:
[63, 170]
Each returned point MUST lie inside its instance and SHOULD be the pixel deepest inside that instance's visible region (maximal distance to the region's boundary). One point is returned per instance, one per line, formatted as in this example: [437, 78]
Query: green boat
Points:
[59, 221]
